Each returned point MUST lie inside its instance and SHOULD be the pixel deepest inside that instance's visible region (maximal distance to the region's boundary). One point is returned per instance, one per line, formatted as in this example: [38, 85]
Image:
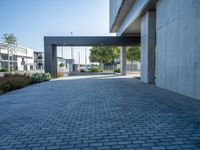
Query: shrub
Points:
[47, 76]
[3, 70]
[82, 70]
[62, 65]
[117, 70]
[13, 81]
[36, 78]
[60, 74]
[96, 69]
[40, 77]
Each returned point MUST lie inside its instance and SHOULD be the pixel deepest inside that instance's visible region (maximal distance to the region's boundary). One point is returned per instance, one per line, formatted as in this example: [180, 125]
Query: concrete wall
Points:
[178, 46]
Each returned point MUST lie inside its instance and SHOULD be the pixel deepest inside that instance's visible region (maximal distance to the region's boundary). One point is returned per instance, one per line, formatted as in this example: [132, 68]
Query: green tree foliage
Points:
[133, 53]
[62, 65]
[104, 54]
[9, 38]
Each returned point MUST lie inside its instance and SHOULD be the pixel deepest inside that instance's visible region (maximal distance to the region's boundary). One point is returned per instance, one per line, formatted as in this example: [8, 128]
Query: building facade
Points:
[170, 40]
[39, 60]
[16, 58]
[67, 64]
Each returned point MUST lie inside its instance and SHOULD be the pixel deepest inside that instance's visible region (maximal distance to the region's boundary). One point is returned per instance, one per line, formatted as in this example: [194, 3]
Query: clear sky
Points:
[31, 20]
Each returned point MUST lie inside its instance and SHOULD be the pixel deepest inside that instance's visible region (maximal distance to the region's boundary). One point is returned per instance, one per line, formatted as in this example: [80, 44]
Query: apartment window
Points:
[14, 58]
[4, 56]
[4, 64]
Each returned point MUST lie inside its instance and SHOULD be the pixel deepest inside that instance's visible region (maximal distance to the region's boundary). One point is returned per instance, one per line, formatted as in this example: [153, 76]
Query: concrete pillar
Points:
[148, 42]
[50, 59]
[123, 61]
[54, 59]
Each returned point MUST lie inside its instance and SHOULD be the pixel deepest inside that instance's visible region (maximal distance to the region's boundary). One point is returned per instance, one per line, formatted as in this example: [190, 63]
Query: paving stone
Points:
[98, 112]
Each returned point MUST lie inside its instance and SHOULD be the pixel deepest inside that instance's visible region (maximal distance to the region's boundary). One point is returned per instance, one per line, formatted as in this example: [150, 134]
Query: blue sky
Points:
[31, 20]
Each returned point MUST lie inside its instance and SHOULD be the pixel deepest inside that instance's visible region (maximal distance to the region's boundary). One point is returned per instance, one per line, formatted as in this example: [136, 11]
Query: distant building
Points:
[39, 60]
[68, 64]
[16, 57]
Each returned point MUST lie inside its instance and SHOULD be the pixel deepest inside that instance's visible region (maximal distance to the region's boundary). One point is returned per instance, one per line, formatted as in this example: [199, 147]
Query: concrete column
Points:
[54, 59]
[50, 59]
[148, 42]
[123, 61]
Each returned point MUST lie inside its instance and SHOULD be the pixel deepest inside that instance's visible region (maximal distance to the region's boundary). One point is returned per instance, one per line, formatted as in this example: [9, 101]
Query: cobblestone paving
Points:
[98, 112]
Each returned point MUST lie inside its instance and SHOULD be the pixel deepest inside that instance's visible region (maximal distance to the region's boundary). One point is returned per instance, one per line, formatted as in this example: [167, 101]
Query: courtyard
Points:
[98, 112]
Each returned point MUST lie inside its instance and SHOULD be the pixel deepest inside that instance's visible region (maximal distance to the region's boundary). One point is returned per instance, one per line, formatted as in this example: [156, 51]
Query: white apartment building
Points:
[39, 60]
[16, 57]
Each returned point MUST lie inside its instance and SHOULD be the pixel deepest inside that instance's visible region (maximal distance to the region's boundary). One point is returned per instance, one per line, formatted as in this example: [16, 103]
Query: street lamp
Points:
[72, 53]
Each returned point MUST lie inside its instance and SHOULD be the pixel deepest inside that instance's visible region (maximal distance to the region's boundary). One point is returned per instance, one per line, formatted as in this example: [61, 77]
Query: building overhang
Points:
[122, 12]
[130, 24]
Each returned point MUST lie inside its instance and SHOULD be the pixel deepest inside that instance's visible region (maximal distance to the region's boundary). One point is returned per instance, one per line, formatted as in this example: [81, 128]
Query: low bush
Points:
[117, 70]
[3, 70]
[60, 74]
[96, 69]
[13, 81]
[82, 70]
[40, 77]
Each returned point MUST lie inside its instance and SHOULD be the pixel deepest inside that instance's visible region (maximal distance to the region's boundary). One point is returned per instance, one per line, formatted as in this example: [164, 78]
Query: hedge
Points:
[13, 81]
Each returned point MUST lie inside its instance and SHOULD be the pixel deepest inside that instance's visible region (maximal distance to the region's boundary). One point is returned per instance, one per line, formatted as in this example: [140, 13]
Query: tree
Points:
[133, 54]
[9, 38]
[62, 65]
[104, 54]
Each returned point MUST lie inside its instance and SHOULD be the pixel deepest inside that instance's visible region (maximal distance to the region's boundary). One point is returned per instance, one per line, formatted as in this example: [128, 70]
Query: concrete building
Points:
[170, 40]
[68, 64]
[16, 57]
[39, 60]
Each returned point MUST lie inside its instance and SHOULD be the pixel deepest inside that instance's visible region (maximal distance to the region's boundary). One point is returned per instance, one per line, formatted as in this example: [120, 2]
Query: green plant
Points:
[62, 65]
[116, 70]
[13, 81]
[133, 53]
[96, 69]
[40, 77]
[82, 70]
[9, 38]
[104, 54]
[3, 70]
[47, 76]
[82, 65]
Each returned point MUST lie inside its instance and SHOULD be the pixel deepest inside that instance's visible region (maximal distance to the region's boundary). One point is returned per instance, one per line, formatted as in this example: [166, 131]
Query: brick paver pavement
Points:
[98, 112]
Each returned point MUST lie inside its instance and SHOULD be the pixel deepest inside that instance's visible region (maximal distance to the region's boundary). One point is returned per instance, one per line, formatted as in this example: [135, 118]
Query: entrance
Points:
[51, 43]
